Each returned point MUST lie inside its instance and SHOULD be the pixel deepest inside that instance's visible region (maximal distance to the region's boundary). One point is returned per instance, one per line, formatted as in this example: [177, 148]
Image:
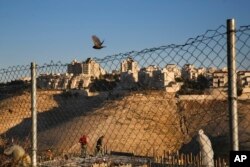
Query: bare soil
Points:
[144, 123]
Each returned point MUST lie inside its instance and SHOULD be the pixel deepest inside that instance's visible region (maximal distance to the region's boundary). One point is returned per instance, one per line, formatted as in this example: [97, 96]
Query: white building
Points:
[80, 81]
[54, 81]
[220, 79]
[154, 77]
[173, 68]
[243, 78]
[79, 75]
[168, 76]
[201, 71]
[129, 73]
[75, 68]
[89, 68]
[151, 77]
[131, 66]
[209, 72]
[189, 72]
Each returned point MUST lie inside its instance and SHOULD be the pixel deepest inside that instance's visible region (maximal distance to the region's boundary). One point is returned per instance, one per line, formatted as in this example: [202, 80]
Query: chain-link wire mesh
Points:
[243, 85]
[161, 105]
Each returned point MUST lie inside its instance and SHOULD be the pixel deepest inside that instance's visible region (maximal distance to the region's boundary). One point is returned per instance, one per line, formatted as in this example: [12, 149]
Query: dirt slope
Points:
[146, 123]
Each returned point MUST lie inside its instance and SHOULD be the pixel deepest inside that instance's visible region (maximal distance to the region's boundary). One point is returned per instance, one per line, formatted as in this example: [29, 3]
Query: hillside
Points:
[146, 123]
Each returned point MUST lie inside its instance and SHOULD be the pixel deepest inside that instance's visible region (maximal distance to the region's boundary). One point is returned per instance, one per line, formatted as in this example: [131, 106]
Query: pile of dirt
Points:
[145, 122]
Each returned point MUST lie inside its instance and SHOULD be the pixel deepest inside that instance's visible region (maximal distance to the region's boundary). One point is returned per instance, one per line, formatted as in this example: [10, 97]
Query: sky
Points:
[60, 30]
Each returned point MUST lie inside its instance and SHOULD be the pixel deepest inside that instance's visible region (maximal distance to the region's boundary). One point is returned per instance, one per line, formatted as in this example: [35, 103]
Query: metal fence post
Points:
[232, 85]
[34, 115]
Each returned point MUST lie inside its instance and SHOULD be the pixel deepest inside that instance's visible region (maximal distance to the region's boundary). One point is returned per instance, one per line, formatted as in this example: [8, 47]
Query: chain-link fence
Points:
[165, 105]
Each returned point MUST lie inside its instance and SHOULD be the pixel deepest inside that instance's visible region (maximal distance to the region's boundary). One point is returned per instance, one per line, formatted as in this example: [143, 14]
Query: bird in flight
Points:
[97, 42]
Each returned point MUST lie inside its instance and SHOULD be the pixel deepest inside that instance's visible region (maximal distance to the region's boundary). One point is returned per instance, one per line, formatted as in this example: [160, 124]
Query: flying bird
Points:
[97, 42]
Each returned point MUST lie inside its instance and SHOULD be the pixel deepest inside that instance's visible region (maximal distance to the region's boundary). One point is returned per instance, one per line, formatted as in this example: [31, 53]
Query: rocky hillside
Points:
[146, 122]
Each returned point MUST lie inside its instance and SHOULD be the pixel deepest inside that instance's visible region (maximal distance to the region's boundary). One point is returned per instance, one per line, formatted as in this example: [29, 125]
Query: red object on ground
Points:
[83, 140]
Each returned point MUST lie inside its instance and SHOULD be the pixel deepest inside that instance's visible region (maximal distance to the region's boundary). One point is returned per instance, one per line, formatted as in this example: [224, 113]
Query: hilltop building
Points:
[75, 68]
[189, 72]
[209, 72]
[243, 78]
[89, 68]
[151, 77]
[129, 73]
[156, 78]
[79, 75]
[54, 81]
[220, 79]
[173, 68]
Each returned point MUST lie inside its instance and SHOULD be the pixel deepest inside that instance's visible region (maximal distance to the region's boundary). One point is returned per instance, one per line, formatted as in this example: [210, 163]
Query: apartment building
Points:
[220, 79]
